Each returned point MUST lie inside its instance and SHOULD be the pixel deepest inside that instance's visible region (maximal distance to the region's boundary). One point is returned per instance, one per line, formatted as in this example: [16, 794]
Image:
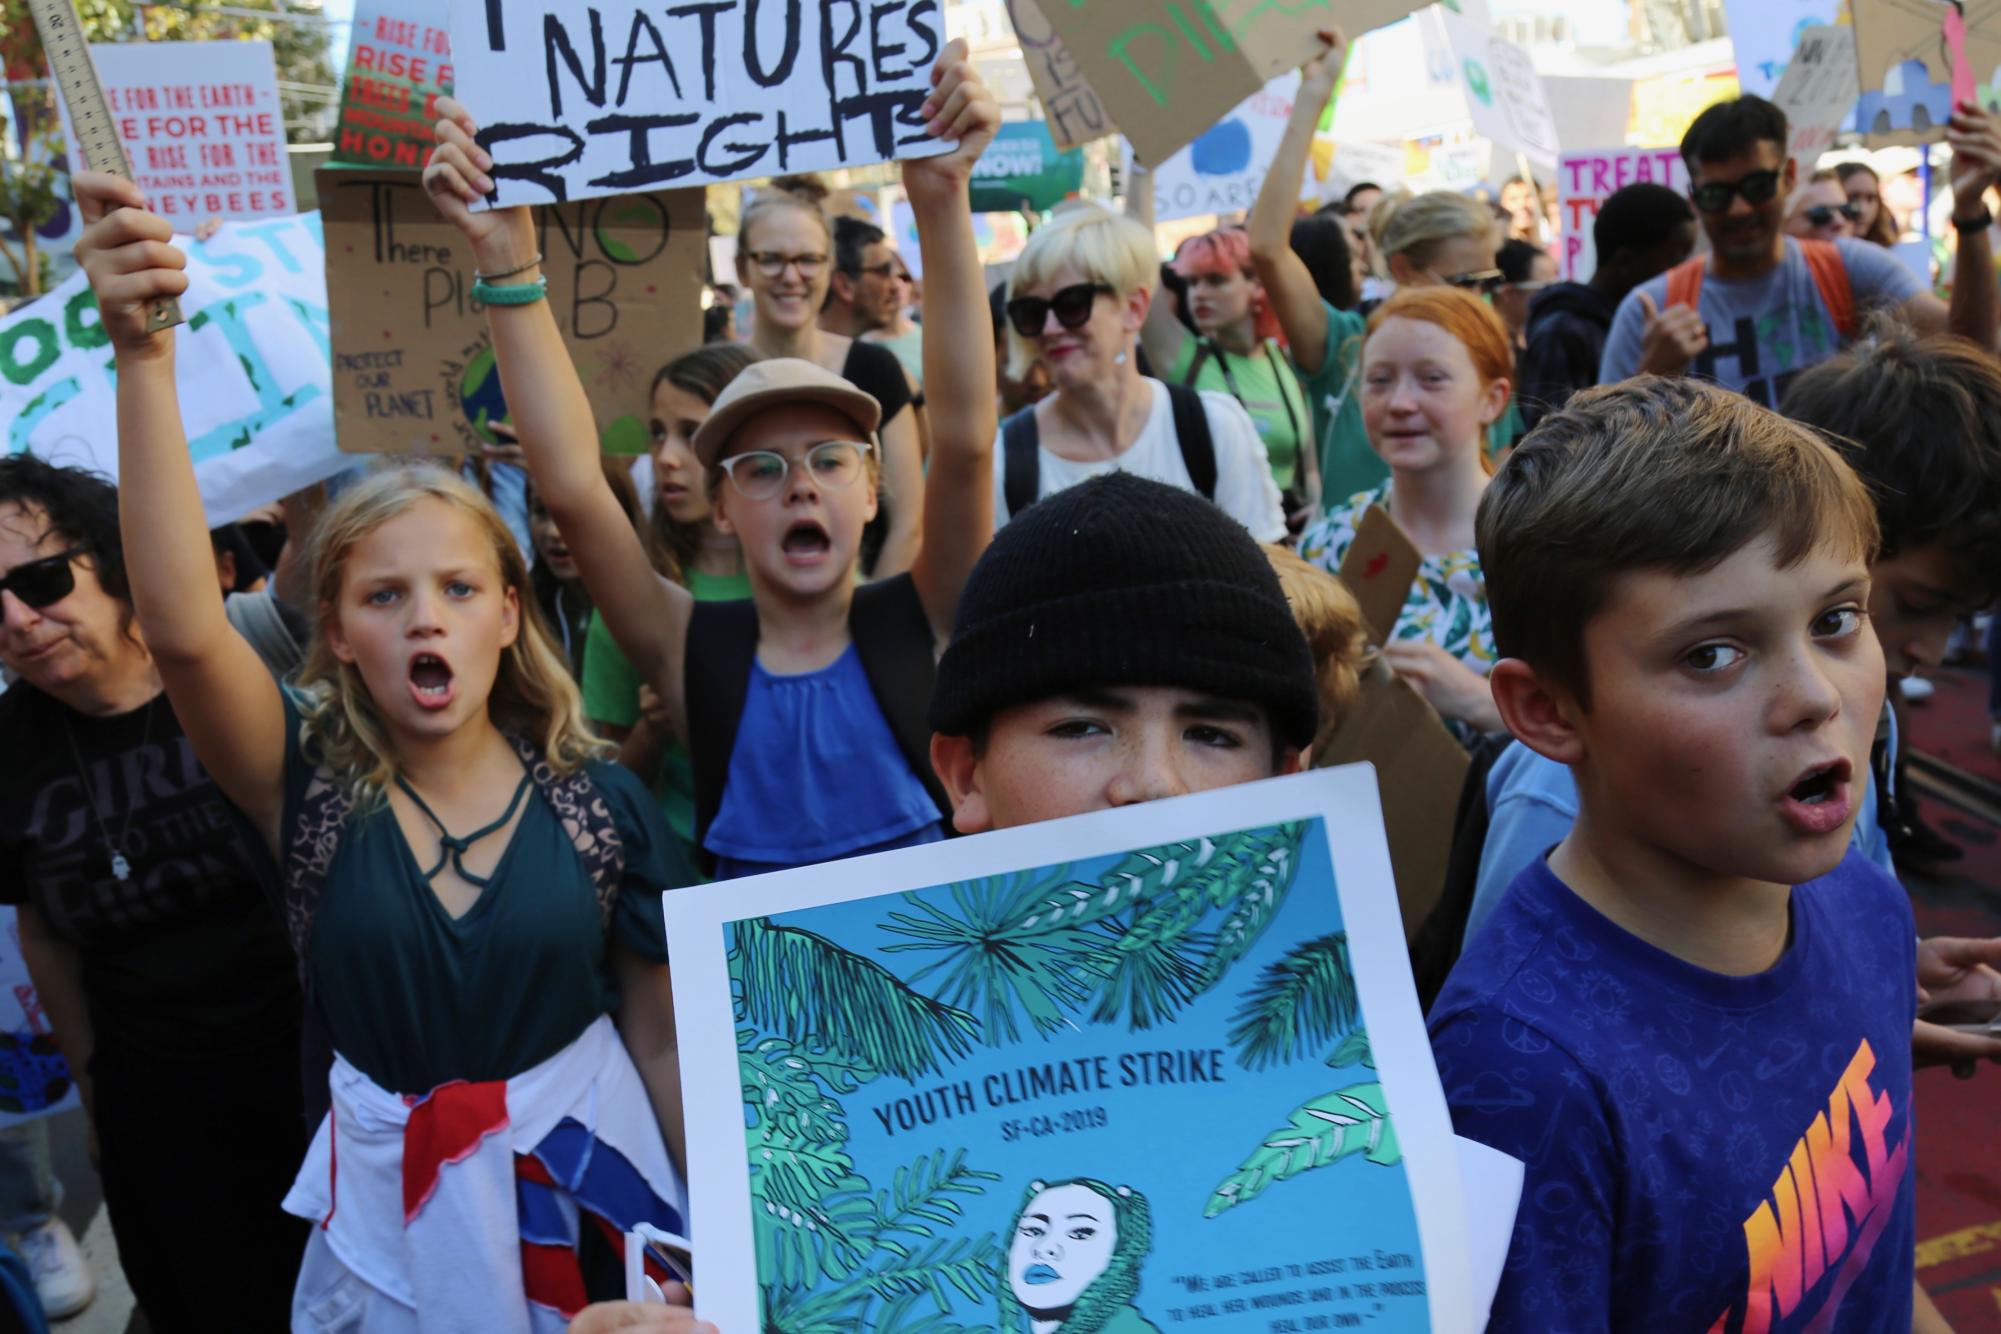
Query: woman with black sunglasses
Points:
[1077, 298]
[166, 977]
[1822, 211]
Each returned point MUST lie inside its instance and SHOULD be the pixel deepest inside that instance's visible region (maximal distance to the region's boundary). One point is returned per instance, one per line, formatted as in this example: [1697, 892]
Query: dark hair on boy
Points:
[1728, 129]
[1639, 217]
[1359, 187]
[1924, 415]
[1516, 259]
[1651, 474]
[853, 237]
[79, 506]
[1321, 242]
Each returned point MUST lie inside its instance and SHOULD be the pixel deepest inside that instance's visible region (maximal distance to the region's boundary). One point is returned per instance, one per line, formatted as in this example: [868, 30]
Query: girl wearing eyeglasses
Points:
[1078, 296]
[803, 709]
[785, 258]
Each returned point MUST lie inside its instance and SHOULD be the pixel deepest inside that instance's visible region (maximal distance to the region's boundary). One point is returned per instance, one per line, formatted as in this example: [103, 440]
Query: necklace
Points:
[452, 848]
[121, 869]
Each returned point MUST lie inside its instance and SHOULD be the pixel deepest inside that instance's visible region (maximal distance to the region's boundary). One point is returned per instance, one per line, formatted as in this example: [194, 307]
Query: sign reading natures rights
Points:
[398, 65]
[413, 364]
[1162, 1065]
[1074, 113]
[1584, 181]
[575, 101]
[1167, 71]
[202, 125]
[252, 369]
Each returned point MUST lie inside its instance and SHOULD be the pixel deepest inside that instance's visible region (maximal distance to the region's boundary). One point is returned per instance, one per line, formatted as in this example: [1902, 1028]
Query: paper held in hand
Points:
[576, 101]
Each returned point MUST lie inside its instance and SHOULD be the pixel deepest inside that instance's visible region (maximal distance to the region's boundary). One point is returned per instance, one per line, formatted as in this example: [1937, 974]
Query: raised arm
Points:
[1289, 286]
[902, 475]
[958, 345]
[647, 615]
[1162, 333]
[218, 686]
[1975, 313]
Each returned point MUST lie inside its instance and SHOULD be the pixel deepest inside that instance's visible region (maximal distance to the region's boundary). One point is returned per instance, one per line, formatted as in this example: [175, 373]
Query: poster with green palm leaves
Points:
[1113, 1074]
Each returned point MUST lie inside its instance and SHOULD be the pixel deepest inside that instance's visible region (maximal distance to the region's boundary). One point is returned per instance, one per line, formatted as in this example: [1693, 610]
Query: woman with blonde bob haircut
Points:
[472, 893]
[1077, 300]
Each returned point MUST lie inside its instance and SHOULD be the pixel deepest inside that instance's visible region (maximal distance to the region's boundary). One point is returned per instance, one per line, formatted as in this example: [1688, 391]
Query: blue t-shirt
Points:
[1702, 1151]
[1764, 330]
[816, 774]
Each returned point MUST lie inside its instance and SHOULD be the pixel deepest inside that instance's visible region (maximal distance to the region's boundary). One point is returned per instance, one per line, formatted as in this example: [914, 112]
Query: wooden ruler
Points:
[89, 114]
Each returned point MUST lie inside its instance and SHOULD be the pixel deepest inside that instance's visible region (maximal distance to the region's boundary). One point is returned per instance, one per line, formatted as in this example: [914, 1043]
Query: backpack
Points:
[1021, 445]
[1823, 261]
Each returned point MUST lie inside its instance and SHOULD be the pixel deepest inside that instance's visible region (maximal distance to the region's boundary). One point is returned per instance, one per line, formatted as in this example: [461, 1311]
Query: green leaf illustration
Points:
[1329, 1128]
[787, 1086]
[1354, 1050]
[925, 1194]
[1303, 1000]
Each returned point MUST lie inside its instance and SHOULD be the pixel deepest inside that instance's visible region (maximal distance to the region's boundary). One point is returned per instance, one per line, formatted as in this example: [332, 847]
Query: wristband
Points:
[507, 273]
[1979, 224]
[511, 294]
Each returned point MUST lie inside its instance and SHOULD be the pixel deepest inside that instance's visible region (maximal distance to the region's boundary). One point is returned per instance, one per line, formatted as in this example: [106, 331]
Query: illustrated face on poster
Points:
[1119, 1091]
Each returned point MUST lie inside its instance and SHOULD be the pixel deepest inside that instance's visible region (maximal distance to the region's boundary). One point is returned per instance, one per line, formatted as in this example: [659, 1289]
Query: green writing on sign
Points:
[1153, 51]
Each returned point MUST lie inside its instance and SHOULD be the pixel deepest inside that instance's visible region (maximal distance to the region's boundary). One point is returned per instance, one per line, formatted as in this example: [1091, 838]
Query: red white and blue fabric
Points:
[464, 1205]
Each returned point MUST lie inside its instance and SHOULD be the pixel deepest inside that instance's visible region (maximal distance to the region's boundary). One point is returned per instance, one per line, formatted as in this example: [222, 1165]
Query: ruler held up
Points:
[89, 114]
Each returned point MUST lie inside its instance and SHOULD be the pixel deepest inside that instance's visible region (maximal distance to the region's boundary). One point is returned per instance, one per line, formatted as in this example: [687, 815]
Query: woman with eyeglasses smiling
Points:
[785, 257]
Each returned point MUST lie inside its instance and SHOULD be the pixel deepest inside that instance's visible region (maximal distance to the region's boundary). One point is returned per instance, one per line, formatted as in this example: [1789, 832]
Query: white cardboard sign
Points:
[1222, 171]
[1504, 94]
[1818, 92]
[619, 97]
[1585, 180]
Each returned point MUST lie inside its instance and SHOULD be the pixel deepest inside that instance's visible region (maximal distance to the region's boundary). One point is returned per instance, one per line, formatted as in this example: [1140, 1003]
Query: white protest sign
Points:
[202, 124]
[619, 97]
[253, 365]
[35, 1080]
[1764, 32]
[1222, 170]
[1818, 92]
[1585, 180]
[1504, 94]
[1357, 161]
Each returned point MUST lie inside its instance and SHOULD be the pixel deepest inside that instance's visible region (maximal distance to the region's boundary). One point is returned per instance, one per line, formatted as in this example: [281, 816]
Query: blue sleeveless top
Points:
[816, 774]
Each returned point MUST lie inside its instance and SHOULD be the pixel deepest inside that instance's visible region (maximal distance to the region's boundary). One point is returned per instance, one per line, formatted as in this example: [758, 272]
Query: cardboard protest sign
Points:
[1764, 33]
[1818, 93]
[1168, 71]
[1074, 113]
[35, 1080]
[398, 64]
[413, 363]
[203, 126]
[1910, 54]
[1101, 1013]
[251, 366]
[579, 101]
[1378, 569]
[1223, 169]
[1503, 92]
[1585, 180]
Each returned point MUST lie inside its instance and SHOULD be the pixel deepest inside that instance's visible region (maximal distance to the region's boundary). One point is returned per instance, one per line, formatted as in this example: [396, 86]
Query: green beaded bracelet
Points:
[510, 294]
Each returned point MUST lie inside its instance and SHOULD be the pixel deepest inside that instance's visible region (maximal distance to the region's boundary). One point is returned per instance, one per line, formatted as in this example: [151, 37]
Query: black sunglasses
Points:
[1822, 214]
[1072, 306]
[1715, 196]
[40, 582]
[1484, 281]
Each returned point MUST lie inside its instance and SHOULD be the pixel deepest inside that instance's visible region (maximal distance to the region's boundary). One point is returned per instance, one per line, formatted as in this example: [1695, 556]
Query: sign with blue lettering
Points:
[575, 101]
[1135, 1069]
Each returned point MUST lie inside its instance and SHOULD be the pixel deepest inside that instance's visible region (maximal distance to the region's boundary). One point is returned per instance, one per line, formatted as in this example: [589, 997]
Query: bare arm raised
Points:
[1288, 284]
[646, 614]
[219, 688]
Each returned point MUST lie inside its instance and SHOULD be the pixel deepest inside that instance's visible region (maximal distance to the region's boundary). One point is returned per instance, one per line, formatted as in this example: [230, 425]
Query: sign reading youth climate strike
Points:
[203, 126]
[399, 64]
[1168, 71]
[1142, 1069]
[575, 101]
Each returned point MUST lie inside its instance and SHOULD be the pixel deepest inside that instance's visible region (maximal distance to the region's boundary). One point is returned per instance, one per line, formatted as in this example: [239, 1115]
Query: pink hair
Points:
[1227, 250]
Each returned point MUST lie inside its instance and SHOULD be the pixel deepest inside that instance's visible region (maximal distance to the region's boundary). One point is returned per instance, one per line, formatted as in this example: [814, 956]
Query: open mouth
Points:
[1818, 801]
[431, 682]
[806, 543]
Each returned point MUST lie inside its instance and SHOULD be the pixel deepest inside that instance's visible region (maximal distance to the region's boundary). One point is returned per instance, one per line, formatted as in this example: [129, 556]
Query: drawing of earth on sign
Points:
[1477, 84]
[1223, 150]
[480, 398]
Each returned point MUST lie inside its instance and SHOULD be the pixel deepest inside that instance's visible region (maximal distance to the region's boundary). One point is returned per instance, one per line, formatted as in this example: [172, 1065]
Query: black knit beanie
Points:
[1124, 581]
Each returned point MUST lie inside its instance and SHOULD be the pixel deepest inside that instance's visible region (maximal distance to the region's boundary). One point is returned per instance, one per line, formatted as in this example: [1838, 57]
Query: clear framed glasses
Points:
[773, 263]
[760, 474]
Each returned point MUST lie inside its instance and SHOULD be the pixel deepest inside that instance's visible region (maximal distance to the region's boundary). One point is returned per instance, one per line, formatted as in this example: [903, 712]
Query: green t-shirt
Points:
[611, 697]
[414, 997]
[1265, 383]
[1348, 462]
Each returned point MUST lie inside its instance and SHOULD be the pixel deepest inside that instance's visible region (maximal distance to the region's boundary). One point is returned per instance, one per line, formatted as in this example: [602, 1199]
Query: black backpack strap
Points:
[1191, 429]
[323, 817]
[1021, 449]
[720, 651]
[899, 656]
[585, 817]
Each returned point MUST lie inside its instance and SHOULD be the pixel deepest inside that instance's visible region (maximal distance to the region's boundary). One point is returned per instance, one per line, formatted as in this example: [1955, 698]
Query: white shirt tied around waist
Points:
[444, 1237]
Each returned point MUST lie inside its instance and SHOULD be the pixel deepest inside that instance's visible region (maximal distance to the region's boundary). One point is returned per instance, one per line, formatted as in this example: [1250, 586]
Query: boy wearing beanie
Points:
[1120, 641]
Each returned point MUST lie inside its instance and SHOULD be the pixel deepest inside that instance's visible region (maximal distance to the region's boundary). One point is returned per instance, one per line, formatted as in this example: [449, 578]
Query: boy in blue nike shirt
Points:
[1692, 1022]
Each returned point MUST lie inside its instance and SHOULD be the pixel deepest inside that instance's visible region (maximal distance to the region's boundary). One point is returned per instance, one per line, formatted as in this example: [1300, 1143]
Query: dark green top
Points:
[415, 998]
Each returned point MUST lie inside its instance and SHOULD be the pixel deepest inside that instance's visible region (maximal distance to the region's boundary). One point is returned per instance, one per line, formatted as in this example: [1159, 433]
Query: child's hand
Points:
[1454, 689]
[638, 1318]
[456, 178]
[129, 256]
[959, 107]
[1953, 968]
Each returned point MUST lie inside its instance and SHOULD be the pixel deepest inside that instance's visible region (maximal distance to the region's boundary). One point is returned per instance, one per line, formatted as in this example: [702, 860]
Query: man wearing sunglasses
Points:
[1763, 306]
